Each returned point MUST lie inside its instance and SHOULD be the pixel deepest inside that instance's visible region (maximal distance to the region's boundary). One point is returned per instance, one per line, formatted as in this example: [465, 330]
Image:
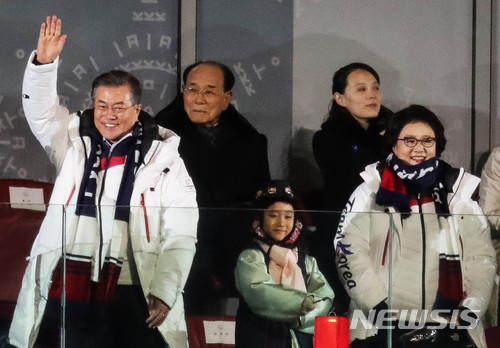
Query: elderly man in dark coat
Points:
[227, 160]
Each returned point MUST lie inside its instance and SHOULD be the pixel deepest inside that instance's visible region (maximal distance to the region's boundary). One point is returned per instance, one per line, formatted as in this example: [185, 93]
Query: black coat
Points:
[225, 174]
[343, 149]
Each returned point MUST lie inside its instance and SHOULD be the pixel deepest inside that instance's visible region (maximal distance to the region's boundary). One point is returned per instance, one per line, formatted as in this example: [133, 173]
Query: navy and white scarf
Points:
[126, 151]
[399, 187]
[401, 183]
[92, 270]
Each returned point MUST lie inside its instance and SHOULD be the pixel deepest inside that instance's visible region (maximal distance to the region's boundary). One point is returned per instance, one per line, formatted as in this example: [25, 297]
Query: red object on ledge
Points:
[331, 332]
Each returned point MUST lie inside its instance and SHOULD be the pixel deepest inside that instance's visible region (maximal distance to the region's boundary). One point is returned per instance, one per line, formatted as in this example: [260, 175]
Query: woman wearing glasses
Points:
[417, 208]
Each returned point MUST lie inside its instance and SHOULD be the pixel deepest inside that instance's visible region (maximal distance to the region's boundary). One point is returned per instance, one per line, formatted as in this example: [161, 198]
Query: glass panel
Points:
[418, 277]
[380, 265]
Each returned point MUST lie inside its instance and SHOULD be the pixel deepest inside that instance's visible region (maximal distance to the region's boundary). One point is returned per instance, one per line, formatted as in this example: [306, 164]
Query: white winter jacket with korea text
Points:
[362, 253]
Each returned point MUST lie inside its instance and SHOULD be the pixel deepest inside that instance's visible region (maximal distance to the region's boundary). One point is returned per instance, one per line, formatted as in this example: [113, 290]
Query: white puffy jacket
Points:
[362, 253]
[163, 206]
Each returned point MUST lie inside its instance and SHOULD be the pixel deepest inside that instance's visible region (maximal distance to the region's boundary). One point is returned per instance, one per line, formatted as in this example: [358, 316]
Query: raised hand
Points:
[50, 41]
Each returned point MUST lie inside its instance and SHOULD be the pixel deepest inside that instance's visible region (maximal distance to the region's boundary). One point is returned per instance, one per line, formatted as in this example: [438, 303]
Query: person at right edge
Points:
[489, 201]
[436, 273]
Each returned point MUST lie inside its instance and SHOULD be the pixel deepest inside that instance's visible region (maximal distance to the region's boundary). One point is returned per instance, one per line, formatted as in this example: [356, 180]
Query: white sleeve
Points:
[357, 245]
[46, 118]
[489, 190]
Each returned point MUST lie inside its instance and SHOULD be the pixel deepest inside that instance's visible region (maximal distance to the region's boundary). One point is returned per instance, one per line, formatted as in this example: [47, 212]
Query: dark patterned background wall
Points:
[141, 36]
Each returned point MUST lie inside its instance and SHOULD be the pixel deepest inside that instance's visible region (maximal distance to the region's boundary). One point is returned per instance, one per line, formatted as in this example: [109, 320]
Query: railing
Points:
[393, 266]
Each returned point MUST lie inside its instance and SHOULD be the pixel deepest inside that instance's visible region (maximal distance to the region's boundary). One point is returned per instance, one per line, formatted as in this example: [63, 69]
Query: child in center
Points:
[281, 288]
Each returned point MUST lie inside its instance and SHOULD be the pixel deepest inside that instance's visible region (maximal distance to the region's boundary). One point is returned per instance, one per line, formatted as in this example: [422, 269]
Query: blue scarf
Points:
[402, 182]
[99, 155]
[82, 270]
[399, 186]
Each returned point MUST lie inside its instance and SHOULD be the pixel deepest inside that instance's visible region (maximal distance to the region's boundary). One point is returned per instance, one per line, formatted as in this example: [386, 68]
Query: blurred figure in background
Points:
[489, 200]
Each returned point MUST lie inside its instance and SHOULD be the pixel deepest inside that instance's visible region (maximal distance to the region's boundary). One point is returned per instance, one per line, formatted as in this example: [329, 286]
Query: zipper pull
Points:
[143, 203]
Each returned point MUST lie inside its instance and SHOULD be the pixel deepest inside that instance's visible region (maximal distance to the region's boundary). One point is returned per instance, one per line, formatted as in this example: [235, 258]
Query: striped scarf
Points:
[93, 264]
[399, 187]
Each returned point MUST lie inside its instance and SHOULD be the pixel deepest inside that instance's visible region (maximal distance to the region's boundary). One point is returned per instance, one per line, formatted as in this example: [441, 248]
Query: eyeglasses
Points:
[206, 92]
[116, 109]
[412, 142]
